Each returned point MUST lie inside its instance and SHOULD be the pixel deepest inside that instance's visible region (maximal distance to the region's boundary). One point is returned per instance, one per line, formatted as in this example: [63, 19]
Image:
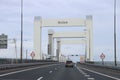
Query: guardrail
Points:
[102, 66]
[14, 61]
[11, 66]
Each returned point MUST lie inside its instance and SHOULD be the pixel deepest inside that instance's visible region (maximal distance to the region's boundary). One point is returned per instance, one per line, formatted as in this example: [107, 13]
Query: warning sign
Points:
[32, 54]
[102, 56]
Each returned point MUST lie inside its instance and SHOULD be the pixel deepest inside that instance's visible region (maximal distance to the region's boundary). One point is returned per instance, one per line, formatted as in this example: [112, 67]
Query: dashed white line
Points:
[100, 73]
[40, 78]
[87, 75]
[90, 78]
[50, 71]
[26, 70]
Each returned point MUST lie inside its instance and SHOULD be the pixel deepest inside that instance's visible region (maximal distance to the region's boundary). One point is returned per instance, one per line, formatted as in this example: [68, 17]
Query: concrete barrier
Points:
[11, 66]
[102, 66]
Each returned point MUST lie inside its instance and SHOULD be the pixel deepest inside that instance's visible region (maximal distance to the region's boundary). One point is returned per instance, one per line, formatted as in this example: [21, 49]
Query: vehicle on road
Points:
[69, 64]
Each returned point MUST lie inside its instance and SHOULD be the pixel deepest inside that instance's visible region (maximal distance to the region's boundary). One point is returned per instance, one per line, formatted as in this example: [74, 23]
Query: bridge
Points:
[71, 40]
[52, 67]
[39, 23]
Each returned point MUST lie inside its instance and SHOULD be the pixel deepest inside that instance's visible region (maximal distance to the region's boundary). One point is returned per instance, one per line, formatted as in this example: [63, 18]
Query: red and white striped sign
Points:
[102, 56]
[32, 54]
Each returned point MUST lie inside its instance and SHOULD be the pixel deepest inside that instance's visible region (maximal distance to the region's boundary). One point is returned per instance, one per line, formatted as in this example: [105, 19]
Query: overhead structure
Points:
[39, 23]
[73, 41]
[61, 42]
[69, 35]
[60, 35]
[52, 35]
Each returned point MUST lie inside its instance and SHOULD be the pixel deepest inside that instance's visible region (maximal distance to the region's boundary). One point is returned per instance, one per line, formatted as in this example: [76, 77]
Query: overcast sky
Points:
[101, 10]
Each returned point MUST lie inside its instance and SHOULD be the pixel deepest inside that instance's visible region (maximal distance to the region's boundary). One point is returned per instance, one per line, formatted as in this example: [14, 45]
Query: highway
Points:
[57, 72]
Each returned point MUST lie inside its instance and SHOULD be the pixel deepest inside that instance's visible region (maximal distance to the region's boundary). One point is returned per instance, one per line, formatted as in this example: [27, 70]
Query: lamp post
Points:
[21, 46]
[115, 33]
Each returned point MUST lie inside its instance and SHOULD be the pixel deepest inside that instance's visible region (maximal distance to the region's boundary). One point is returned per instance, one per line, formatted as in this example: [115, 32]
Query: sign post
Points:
[32, 55]
[102, 56]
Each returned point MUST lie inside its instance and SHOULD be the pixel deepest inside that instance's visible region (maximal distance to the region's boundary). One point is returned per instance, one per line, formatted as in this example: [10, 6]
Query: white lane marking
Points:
[40, 78]
[101, 74]
[87, 75]
[50, 71]
[26, 70]
[90, 78]
[81, 71]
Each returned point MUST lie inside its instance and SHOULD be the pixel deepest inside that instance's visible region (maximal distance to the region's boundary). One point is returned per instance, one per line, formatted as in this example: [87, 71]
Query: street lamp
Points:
[21, 46]
[115, 33]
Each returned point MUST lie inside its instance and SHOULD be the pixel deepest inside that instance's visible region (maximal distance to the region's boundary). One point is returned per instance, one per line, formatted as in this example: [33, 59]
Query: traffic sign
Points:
[3, 41]
[32, 54]
[102, 56]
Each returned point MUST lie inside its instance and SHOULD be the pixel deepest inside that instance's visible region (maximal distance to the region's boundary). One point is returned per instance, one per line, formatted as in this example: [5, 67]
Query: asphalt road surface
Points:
[55, 72]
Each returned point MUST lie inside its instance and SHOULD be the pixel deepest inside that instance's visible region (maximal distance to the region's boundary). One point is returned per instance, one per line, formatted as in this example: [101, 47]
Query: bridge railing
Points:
[107, 64]
[15, 61]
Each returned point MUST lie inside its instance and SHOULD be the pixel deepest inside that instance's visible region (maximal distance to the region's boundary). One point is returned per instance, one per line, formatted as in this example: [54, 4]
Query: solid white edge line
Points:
[26, 70]
[40, 78]
[100, 73]
[82, 72]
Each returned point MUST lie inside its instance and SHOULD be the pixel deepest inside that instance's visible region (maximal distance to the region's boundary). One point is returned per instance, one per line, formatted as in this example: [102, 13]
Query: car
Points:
[69, 64]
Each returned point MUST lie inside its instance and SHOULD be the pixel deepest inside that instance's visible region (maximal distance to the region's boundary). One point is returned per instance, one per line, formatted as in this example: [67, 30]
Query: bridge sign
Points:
[32, 54]
[102, 56]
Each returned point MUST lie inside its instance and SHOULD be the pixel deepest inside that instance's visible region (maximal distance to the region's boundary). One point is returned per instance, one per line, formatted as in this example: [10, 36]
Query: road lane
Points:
[108, 71]
[55, 72]
[97, 74]
[66, 74]
[31, 74]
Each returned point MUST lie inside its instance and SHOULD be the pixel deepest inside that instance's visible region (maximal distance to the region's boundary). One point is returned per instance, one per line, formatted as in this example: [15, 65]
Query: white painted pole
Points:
[89, 25]
[58, 49]
[50, 43]
[37, 37]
